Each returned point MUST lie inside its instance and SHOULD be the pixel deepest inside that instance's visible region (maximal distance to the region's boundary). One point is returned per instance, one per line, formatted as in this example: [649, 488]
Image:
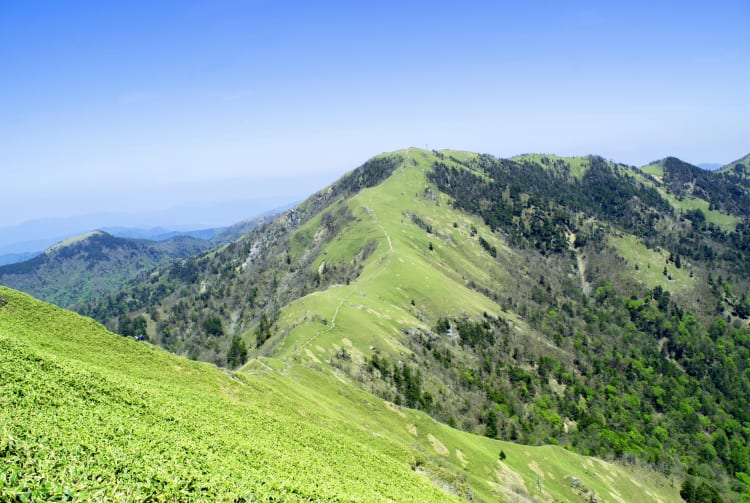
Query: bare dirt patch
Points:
[510, 485]
[312, 356]
[437, 445]
[461, 457]
[390, 406]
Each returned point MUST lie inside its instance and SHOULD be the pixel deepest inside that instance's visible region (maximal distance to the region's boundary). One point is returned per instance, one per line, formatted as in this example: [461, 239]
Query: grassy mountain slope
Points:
[430, 263]
[718, 195]
[90, 415]
[575, 166]
[740, 166]
[402, 269]
[91, 265]
[542, 300]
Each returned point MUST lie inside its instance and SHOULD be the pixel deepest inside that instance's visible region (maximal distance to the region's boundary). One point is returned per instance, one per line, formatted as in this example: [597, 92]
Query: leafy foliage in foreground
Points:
[86, 415]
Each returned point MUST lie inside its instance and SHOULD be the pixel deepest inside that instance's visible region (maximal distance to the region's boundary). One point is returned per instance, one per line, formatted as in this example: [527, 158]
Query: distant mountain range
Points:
[151, 234]
[710, 166]
[79, 269]
[94, 264]
[33, 237]
[161, 233]
[12, 258]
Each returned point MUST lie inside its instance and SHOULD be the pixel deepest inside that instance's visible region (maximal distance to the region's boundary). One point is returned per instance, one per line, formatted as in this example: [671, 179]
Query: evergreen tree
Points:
[237, 354]
[491, 429]
[263, 332]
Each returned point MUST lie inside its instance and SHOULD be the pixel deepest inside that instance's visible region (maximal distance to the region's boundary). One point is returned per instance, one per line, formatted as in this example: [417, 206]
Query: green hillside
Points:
[720, 196]
[542, 300]
[92, 265]
[740, 167]
[575, 166]
[430, 264]
[89, 415]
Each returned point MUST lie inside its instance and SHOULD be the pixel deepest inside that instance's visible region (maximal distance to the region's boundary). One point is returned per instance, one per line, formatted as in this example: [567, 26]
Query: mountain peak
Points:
[78, 239]
[489, 293]
[92, 264]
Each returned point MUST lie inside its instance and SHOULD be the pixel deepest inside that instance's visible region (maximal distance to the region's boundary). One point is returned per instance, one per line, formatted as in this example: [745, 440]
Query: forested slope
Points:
[93, 265]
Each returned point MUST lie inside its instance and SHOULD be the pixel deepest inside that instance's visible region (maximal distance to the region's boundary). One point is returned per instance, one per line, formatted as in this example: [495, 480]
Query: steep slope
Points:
[92, 265]
[544, 300]
[738, 172]
[742, 164]
[88, 415]
[721, 196]
[195, 305]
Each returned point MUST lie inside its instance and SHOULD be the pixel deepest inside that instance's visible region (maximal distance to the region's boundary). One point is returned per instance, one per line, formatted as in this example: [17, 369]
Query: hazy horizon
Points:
[152, 105]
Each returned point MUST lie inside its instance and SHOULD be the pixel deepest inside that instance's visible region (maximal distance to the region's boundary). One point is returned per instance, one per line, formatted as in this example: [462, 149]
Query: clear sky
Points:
[135, 106]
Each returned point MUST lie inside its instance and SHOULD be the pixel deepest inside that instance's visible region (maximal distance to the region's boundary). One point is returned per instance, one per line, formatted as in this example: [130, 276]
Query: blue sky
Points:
[143, 106]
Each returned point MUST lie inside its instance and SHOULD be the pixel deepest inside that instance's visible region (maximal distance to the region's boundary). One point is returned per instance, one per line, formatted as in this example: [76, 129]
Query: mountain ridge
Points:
[504, 297]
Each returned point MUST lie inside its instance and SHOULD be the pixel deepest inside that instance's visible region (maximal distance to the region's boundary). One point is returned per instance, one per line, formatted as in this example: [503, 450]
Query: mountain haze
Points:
[13, 258]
